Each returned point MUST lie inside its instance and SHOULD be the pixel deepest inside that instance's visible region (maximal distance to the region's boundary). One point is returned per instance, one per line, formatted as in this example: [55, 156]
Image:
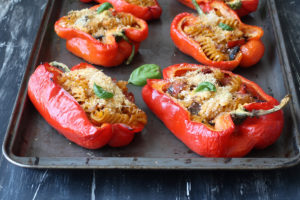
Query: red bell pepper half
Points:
[109, 54]
[226, 138]
[64, 113]
[241, 7]
[143, 12]
[251, 49]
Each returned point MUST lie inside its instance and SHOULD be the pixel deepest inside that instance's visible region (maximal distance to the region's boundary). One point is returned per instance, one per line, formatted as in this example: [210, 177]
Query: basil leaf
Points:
[225, 27]
[104, 6]
[205, 86]
[140, 75]
[101, 93]
[235, 5]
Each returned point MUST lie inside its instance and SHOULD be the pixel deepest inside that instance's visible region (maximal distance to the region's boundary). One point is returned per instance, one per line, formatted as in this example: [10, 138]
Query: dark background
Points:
[19, 21]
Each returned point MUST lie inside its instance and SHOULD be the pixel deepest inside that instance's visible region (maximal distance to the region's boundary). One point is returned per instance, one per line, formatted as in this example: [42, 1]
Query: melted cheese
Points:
[226, 98]
[213, 40]
[99, 25]
[91, 76]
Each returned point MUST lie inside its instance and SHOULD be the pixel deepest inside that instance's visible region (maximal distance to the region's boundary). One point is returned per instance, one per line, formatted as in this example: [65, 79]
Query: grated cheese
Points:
[225, 99]
[99, 25]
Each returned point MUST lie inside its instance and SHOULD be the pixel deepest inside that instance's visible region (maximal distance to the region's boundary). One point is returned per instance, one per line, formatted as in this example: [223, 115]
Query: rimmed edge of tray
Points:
[142, 162]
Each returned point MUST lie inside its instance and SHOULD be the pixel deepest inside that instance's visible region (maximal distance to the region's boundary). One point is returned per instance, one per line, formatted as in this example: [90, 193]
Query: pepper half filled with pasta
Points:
[217, 37]
[101, 35]
[86, 106]
[214, 112]
[241, 7]
[144, 9]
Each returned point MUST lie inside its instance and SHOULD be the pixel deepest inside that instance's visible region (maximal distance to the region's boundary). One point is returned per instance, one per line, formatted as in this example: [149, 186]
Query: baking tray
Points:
[31, 142]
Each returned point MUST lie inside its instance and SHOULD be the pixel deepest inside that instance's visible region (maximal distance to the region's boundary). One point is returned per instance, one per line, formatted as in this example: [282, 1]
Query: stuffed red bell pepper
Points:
[214, 112]
[217, 37]
[144, 9]
[102, 36]
[241, 7]
[85, 105]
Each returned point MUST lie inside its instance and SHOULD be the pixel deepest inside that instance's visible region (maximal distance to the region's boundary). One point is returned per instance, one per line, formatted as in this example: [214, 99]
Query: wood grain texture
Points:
[19, 20]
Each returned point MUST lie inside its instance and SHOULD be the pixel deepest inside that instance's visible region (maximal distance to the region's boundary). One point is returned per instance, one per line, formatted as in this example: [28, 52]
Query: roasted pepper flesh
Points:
[144, 9]
[107, 38]
[218, 37]
[241, 7]
[204, 120]
[59, 98]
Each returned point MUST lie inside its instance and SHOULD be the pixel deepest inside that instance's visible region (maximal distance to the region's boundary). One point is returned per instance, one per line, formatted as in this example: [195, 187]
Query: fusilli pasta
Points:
[115, 110]
[208, 32]
[143, 3]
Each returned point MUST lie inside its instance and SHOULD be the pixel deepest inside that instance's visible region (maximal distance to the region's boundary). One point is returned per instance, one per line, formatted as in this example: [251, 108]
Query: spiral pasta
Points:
[79, 83]
[210, 50]
[127, 20]
[143, 3]
[208, 30]
[234, 23]
[235, 83]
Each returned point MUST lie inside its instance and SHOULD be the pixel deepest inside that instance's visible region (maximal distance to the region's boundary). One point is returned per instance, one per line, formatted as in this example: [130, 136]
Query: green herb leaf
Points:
[196, 5]
[140, 75]
[205, 86]
[104, 6]
[225, 27]
[101, 93]
[61, 65]
[235, 5]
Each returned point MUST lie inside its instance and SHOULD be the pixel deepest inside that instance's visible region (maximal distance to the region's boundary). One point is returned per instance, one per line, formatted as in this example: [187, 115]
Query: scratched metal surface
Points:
[16, 42]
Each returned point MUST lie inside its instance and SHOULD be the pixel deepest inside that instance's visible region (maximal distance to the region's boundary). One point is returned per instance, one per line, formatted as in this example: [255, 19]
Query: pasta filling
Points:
[218, 36]
[99, 25]
[203, 104]
[143, 3]
[118, 109]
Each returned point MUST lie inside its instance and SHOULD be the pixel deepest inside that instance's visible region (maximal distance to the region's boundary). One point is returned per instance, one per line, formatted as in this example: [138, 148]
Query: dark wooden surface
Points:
[19, 21]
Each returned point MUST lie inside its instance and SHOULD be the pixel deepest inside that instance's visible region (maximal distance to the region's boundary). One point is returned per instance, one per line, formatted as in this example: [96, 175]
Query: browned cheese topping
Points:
[204, 106]
[118, 109]
[213, 32]
[99, 25]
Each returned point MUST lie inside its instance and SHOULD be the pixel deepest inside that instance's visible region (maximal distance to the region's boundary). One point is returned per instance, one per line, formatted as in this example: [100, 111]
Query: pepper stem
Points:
[199, 10]
[61, 65]
[122, 34]
[242, 113]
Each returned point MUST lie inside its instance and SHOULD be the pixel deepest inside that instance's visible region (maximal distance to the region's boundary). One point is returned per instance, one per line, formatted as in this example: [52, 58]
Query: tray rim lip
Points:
[288, 162]
[16, 160]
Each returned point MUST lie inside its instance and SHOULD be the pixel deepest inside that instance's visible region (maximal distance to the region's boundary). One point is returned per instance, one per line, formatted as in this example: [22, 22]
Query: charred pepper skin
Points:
[247, 6]
[145, 13]
[251, 51]
[64, 113]
[94, 51]
[227, 139]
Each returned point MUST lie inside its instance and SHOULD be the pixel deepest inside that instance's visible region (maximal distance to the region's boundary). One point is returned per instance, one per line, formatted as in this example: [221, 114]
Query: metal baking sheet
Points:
[31, 142]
